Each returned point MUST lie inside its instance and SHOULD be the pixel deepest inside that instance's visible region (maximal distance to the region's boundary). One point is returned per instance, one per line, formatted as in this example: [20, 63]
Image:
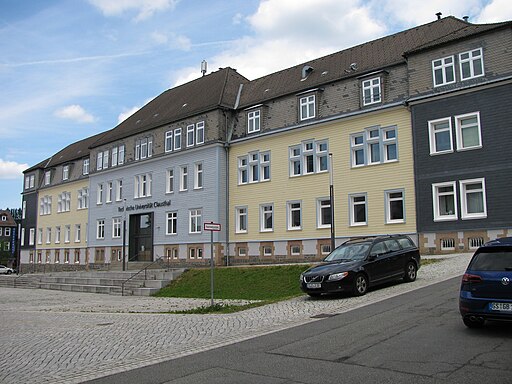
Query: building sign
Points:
[13, 241]
[137, 207]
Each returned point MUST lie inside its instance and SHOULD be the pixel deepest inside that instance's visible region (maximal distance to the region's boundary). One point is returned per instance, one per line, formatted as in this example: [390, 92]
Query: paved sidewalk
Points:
[67, 337]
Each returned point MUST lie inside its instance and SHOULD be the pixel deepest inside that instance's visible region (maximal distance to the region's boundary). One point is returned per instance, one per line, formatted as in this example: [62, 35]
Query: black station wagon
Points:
[361, 263]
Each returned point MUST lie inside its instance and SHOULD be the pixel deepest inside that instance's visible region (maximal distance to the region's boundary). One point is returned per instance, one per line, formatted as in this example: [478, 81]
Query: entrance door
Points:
[141, 237]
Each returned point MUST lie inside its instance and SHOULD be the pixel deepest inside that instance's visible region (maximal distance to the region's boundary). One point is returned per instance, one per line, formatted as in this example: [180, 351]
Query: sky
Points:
[70, 69]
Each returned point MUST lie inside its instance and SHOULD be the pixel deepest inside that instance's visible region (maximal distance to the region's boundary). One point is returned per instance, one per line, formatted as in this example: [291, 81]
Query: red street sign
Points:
[212, 227]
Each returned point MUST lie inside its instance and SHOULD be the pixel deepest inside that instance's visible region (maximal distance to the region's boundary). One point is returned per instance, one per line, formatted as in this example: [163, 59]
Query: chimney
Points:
[203, 67]
[466, 18]
[439, 14]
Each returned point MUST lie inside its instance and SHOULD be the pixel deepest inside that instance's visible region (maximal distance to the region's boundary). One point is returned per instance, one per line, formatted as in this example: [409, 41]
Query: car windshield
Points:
[492, 260]
[349, 252]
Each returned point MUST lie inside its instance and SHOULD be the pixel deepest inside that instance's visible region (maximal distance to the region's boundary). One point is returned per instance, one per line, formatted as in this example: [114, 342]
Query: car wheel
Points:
[9, 272]
[360, 285]
[473, 323]
[410, 272]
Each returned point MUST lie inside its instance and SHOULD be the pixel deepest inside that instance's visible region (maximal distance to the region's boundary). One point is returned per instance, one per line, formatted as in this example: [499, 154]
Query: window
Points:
[99, 196]
[266, 218]
[57, 235]
[294, 215]
[307, 107]
[190, 135]
[47, 177]
[65, 172]
[143, 185]
[471, 64]
[444, 202]
[177, 138]
[323, 213]
[241, 219]
[253, 121]
[467, 130]
[85, 167]
[67, 233]
[110, 190]
[242, 170]
[99, 161]
[200, 133]
[168, 141]
[119, 190]
[195, 220]
[172, 223]
[374, 146]
[443, 71]
[472, 199]
[371, 91]
[198, 176]
[440, 135]
[100, 229]
[31, 236]
[77, 256]
[39, 235]
[115, 152]
[120, 157]
[48, 235]
[7, 232]
[83, 198]
[358, 209]
[64, 202]
[105, 159]
[116, 227]
[143, 148]
[78, 233]
[45, 205]
[254, 168]
[56, 257]
[22, 237]
[183, 178]
[170, 181]
[66, 256]
[265, 166]
[395, 207]
[308, 158]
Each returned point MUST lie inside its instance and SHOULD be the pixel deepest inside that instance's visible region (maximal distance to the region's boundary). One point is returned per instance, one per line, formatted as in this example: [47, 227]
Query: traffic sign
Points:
[212, 227]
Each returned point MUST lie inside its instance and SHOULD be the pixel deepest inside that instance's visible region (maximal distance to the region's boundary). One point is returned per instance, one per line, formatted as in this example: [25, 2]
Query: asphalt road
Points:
[417, 337]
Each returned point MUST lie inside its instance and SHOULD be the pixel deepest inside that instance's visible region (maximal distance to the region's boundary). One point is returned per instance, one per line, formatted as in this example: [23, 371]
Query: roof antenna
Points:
[466, 18]
[439, 14]
[204, 65]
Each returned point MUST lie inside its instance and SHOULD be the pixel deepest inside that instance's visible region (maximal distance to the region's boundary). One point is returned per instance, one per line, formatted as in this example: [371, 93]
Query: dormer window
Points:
[253, 121]
[372, 91]
[143, 148]
[65, 172]
[47, 177]
[307, 107]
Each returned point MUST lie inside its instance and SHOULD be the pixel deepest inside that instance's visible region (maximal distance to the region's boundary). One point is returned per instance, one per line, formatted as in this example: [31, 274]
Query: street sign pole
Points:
[212, 227]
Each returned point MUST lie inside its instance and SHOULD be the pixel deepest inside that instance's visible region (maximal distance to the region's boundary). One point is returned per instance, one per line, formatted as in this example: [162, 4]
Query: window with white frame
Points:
[22, 237]
[309, 157]
[183, 178]
[168, 141]
[471, 64]
[444, 201]
[264, 166]
[200, 133]
[190, 135]
[99, 194]
[99, 161]
[45, 205]
[110, 190]
[39, 235]
[120, 157]
[143, 148]
[100, 229]
[24, 209]
[307, 107]
[85, 167]
[64, 202]
[371, 91]
[27, 182]
[65, 172]
[440, 136]
[57, 235]
[143, 184]
[31, 236]
[170, 181]
[116, 227]
[198, 175]
[105, 159]
[358, 209]
[177, 138]
[241, 219]
[443, 71]
[78, 233]
[266, 217]
[253, 121]
[472, 199]
[323, 213]
[48, 235]
[119, 189]
[195, 220]
[395, 209]
[172, 223]
[115, 152]
[47, 177]
[376, 145]
[243, 172]
[254, 167]
[294, 210]
[467, 131]
[67, 233]
[7, 232]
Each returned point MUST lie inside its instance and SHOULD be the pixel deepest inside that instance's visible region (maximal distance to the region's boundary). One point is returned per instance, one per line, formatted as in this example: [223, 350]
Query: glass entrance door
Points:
[141, 237]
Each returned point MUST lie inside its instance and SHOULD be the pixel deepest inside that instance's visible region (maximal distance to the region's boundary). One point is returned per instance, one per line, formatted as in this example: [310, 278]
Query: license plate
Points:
[314, 285]
[500, 307]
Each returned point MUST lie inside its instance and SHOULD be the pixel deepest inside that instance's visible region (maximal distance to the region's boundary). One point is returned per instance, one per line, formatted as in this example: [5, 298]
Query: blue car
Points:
[486, 289]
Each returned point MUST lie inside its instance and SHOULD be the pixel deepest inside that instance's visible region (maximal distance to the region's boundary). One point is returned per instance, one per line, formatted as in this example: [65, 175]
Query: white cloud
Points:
[495, 11]
[171, 40]
[126, 114]
[144, 8]
[76, 113]
[11, 169]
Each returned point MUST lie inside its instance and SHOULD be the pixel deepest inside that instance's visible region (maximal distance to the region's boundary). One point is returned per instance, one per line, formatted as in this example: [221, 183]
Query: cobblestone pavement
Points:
[67, 337]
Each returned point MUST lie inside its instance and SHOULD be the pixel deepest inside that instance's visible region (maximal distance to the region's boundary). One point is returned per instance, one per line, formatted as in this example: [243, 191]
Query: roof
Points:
[359, 60]
[216, 90]
[9, 222]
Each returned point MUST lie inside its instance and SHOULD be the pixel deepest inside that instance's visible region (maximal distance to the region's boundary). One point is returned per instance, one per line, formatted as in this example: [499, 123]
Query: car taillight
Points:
[469, 278]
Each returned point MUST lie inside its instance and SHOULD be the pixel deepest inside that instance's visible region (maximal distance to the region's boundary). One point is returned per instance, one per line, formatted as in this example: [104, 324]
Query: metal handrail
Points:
[145, 269]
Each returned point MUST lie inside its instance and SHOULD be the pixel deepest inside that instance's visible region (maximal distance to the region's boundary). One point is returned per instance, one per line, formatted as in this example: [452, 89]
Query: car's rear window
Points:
[492, 260]
[405, 242]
